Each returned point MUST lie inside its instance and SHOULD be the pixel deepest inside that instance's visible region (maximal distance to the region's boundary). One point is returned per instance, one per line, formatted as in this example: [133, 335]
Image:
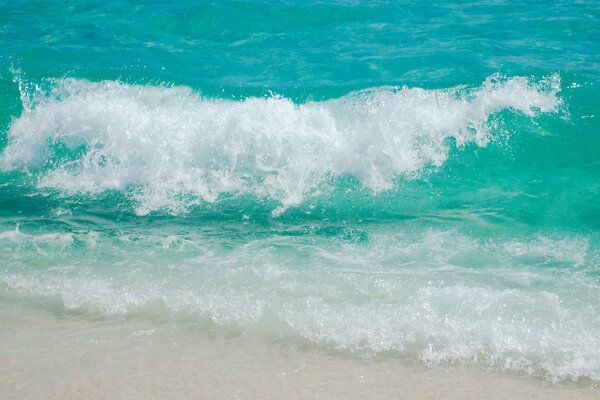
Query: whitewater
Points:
[109, 135]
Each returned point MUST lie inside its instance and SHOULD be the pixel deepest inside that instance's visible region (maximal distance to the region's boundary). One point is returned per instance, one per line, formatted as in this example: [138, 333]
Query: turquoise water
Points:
[402, 180]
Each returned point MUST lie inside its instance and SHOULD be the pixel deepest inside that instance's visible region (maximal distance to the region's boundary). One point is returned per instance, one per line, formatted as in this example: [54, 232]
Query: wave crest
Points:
[165, 142]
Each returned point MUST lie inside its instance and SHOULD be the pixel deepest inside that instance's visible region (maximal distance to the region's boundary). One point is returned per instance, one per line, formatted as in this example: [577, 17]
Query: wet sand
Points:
[45, 356]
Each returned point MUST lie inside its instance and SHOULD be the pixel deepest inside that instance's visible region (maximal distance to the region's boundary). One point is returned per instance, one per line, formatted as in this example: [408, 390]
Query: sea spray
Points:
[85, 137]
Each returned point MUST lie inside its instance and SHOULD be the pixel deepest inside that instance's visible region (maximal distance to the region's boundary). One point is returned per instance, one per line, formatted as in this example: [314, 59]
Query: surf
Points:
[171, 147]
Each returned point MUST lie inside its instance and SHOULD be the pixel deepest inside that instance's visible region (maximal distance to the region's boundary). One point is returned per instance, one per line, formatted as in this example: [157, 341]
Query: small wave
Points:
[165, 144]
[432, 295]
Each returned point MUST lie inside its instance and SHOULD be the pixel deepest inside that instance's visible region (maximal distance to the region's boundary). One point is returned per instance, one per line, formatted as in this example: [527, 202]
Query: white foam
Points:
[433, 295]
[167, 141]
[53, 239]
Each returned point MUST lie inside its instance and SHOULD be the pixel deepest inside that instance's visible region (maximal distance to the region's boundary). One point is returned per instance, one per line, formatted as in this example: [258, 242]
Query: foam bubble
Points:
[49, 239]
[437, 296]
[166, 144]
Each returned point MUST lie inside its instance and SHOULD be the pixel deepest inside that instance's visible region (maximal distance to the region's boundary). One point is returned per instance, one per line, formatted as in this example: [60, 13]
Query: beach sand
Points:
[50, 356]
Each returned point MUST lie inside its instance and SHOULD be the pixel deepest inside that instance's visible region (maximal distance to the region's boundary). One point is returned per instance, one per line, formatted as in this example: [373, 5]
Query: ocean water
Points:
[397, 180]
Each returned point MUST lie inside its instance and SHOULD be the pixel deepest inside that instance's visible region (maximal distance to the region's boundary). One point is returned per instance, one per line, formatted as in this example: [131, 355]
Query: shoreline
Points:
[57, 357]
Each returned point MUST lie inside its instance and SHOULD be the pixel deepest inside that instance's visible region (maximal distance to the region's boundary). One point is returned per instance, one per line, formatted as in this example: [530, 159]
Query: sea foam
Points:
[164, 144]
[433, 296]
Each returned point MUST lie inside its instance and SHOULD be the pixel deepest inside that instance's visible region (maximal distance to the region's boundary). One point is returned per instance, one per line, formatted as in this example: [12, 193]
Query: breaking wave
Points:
[169, 147]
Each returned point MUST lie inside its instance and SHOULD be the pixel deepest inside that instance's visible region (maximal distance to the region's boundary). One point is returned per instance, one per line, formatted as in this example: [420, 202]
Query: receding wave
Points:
[438, 296]
[164, 144]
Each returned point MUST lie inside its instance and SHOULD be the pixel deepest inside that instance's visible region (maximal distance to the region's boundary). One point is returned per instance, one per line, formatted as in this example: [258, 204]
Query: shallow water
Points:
[390, 181]
[76, 357]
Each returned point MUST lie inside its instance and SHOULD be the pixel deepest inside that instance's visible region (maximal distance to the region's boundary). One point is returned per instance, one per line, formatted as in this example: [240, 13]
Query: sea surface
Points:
[402, 180]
